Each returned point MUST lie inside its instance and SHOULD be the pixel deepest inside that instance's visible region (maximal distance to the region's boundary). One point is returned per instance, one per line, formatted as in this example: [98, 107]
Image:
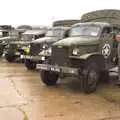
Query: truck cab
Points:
[5, 33]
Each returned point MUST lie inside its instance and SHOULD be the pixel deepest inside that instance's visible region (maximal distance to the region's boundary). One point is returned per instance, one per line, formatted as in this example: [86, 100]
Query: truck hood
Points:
[77, 41]
[21, 42]
[46, 40]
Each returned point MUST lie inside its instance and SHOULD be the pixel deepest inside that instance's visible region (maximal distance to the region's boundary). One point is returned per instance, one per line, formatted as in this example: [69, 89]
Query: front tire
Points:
[10, 57]
[1, 50]
[49, 77]
[30, 65]
[91, 77]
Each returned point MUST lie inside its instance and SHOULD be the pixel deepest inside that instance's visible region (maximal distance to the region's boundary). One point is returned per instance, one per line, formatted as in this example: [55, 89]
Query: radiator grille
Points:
[60, 56]
[35, 49]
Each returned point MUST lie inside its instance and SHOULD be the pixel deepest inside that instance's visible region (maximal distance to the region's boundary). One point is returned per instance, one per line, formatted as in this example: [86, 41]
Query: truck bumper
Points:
[59, 69]
[34, 58]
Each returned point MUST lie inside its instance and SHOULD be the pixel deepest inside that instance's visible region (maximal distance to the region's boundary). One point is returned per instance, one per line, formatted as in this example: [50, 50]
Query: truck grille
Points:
[60, 56]
[13, 46]
[34, 49]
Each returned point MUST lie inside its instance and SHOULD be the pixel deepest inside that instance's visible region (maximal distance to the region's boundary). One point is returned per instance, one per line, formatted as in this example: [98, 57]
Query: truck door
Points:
[106, 45]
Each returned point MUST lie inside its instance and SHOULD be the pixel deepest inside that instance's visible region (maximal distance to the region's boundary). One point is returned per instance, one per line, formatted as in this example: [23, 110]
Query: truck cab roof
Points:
[102, 24]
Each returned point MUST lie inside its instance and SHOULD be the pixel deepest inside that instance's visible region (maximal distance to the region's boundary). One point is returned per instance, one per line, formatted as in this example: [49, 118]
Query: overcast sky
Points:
[43, 12]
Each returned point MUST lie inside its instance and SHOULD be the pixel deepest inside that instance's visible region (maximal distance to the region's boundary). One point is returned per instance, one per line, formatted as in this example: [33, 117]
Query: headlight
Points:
[3, 41]
[46, 52]
[45, 46]
[76, 51]
[18, 45]
[49, 50]
[28, 46]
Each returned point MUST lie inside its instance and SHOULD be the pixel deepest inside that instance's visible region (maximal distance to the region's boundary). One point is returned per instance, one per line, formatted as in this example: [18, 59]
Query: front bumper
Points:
[14, 53]
[34, 58]
[59, 69]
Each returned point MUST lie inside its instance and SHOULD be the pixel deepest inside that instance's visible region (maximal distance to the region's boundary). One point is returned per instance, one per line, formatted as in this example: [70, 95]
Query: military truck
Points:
[40, 49]
[17, 49]
[5, 32]
[89, 51]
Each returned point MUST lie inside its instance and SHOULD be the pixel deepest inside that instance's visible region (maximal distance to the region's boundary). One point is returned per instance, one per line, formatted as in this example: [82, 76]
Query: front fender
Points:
[86, 56]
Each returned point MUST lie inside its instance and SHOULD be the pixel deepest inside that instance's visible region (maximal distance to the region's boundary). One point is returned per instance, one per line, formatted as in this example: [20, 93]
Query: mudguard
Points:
[86, 56]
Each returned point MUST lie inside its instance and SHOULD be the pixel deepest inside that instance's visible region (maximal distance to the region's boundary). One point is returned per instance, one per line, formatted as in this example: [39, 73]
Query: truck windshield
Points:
[26, 37]
[85, 30]
[55, 33]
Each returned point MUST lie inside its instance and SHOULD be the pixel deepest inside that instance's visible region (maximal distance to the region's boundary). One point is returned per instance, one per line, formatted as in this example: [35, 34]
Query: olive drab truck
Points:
[40, 49]
[17, 49]
[88, 52]
[5, 36]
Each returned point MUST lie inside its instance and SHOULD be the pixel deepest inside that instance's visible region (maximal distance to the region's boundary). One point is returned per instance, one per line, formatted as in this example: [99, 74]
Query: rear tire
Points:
[49, 77]
[30, 65]
[91, 77]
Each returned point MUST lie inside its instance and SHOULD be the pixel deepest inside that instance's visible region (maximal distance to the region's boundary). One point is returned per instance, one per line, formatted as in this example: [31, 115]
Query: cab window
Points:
[106, 31]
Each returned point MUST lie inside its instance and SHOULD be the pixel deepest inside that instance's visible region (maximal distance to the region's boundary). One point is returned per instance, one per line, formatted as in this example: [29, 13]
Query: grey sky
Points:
[43, 12]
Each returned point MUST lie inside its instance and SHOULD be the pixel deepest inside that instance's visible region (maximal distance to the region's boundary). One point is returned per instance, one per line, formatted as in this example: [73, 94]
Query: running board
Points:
[114, 75]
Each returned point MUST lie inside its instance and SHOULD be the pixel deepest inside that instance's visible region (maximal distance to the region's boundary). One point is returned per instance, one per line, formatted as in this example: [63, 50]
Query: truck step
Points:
[114, 75]
[113, 72]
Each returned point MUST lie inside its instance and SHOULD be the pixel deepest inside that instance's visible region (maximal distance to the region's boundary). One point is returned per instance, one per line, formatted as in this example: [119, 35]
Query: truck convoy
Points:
[40, 49]
[16, 49]
[89, 51]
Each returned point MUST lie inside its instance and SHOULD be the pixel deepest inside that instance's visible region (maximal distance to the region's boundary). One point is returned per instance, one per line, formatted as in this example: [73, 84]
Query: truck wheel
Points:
[49, 77]
[91, 76]
[1, 52]
[30, 65]
[10, 57]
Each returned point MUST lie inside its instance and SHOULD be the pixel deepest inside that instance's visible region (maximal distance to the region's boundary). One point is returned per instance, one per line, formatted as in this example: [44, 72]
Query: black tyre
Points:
[10, 57]
[30, 65]
[91, 77]
[1, 51]
[49, 77]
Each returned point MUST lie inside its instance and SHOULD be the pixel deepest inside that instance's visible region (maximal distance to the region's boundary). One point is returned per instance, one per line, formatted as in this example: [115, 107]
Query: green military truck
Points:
[5, 33]
[89, 51]
[40, 49]
[16, 49]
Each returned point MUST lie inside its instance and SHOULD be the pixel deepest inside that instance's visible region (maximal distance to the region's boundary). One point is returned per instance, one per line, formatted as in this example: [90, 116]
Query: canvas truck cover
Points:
[65, 23]
[28, 27]
[108, 15]
[25, 27]
[34, 32]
